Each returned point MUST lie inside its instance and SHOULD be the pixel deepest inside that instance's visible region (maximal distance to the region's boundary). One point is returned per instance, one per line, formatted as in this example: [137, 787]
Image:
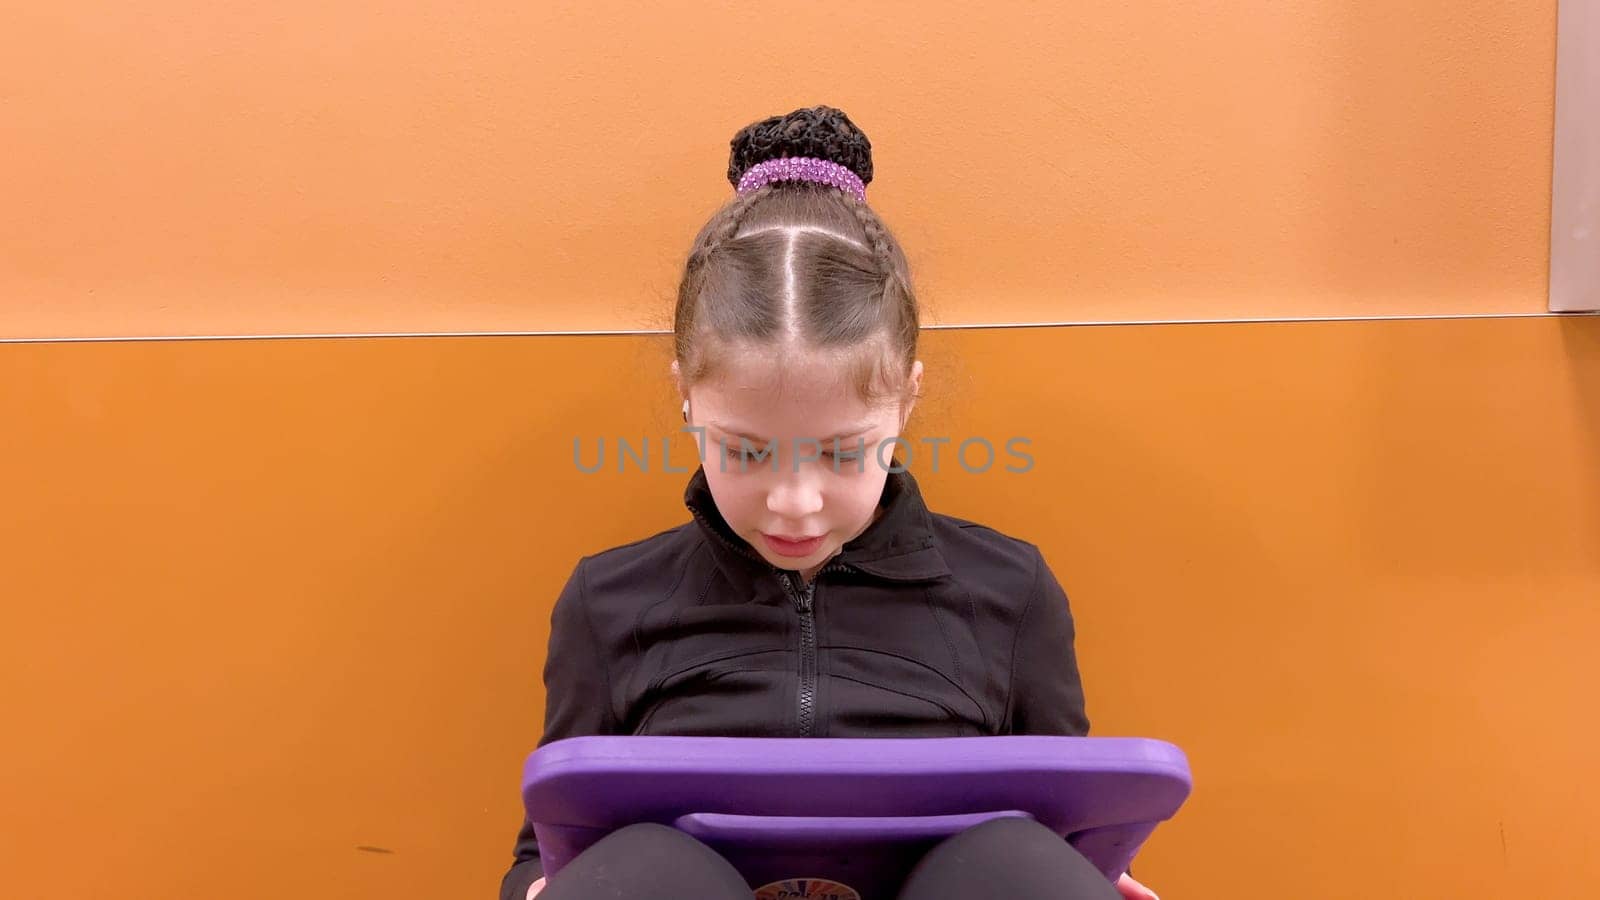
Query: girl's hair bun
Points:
[821, 132]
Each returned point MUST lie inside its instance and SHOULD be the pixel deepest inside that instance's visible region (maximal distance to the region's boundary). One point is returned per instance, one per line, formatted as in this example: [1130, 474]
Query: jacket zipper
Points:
[808, 651]
[805, 604]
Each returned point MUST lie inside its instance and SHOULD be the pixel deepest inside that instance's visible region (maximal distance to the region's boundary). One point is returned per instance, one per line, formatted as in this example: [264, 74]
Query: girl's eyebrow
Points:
[852, 431]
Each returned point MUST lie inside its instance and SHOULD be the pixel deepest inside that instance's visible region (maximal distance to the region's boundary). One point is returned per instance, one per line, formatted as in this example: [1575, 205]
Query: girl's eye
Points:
[754, 454]
[747, 455]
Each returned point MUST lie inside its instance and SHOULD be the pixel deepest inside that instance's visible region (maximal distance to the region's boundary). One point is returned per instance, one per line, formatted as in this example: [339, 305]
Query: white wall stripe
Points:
[976, 326]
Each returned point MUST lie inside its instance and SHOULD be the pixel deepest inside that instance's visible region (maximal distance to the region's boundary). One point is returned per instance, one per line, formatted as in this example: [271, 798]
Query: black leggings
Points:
[1012, 858]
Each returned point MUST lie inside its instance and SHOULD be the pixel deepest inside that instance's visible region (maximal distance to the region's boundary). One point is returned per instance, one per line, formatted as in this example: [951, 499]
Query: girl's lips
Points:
[788, 547]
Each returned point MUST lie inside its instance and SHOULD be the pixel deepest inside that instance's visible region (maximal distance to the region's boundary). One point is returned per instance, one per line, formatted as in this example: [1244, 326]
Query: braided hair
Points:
[852, 286]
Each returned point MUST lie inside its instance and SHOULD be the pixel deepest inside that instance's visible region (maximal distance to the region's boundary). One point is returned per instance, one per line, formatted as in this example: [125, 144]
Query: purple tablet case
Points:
[856, 811]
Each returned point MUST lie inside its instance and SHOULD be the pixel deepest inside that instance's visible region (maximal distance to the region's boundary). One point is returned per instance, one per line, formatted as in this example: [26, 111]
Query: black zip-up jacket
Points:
[925, 625]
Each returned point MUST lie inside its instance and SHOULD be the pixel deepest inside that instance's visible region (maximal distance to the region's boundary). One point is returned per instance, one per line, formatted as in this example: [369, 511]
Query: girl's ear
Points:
[677, 381]
[913, 390]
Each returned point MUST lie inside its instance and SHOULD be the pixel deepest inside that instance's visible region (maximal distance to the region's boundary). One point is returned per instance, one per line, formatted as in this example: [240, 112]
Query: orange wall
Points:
[269, 602]
[231, 168]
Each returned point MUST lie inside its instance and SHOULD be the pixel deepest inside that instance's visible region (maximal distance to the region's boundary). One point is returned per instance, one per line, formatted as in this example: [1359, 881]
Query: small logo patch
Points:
[806, 889]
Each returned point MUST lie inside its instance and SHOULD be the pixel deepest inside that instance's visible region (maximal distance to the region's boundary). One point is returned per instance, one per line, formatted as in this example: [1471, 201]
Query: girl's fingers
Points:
[1133, 890]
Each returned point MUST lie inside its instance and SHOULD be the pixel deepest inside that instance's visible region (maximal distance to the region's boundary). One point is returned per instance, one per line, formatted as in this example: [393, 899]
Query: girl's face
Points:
[784, 490]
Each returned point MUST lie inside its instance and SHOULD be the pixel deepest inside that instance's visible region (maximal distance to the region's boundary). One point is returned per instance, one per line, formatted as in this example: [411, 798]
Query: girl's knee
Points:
[648, 860]
[1010, 830]
[644, 835]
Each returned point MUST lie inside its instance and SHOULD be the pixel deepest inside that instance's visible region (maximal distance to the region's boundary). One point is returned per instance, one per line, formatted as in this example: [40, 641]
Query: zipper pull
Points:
[801, 601]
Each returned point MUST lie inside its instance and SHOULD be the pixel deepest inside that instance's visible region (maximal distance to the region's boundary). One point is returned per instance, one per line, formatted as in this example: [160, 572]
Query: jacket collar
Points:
[899, 546]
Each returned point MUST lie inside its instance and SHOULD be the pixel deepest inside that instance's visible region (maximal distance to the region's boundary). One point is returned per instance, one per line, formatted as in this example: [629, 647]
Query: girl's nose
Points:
[794, 497]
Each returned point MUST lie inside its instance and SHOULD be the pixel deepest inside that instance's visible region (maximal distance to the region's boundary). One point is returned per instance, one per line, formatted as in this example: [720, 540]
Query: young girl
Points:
[813, 593]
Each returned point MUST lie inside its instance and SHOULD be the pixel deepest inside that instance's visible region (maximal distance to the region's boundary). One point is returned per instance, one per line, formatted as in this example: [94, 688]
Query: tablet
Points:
[847, 818]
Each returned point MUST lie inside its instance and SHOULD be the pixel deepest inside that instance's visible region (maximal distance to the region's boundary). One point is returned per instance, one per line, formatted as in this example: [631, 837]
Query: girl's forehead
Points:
[783, 372]
[785, 387]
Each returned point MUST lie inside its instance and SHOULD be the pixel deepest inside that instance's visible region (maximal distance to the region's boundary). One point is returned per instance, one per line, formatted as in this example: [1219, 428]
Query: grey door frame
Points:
[1575, 176]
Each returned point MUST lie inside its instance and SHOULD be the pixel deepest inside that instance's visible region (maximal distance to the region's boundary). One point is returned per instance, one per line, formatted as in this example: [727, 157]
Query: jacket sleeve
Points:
[577, 702]
[1046, 691]
[1046, 694]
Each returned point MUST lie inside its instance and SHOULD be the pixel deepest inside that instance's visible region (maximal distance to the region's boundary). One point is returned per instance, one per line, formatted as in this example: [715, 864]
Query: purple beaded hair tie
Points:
[803, 168]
